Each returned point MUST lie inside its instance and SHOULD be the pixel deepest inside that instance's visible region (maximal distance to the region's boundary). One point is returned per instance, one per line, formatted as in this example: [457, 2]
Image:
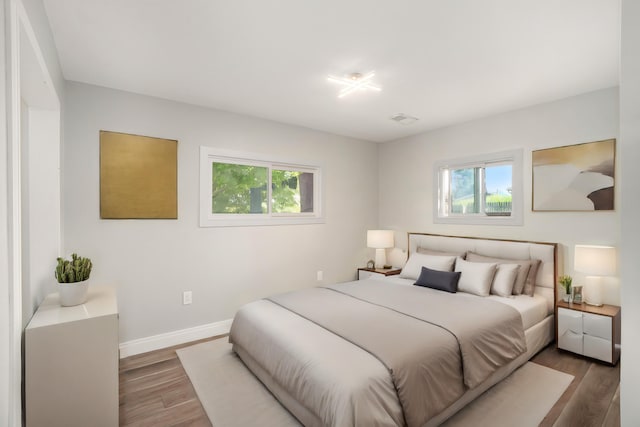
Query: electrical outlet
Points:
[319, 275]
[187, 297]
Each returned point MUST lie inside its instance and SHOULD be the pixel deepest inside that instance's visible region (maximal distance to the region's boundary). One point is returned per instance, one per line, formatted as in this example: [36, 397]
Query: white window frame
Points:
[442, 168]
[209, 155]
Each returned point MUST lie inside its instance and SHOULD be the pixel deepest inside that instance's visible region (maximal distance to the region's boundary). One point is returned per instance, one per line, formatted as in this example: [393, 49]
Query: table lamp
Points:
[595, 262]
[380, 240]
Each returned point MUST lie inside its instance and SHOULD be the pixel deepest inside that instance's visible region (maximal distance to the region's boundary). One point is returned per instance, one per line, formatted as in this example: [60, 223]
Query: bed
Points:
[382, 352]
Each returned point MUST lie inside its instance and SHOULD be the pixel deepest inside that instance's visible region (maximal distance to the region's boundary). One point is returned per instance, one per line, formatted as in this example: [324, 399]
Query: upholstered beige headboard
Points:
[547, 253]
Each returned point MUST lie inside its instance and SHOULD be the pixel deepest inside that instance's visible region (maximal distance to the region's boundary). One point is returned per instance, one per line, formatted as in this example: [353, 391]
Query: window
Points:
[481, 190]
[237, 190]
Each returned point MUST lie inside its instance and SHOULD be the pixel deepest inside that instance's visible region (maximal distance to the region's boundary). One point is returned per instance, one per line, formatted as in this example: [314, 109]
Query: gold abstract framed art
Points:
[577, 177]
[138, 177]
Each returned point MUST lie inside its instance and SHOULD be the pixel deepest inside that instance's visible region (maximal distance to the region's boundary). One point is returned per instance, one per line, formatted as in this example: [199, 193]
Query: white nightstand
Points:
[71, 362]
[589, 331]
[367, 273]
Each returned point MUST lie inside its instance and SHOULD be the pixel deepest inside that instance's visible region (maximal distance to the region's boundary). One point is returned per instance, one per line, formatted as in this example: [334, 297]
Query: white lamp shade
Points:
[380, 239]
[595, 260]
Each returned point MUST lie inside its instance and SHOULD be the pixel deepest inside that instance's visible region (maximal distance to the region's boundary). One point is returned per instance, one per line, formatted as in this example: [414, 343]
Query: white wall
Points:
[40, 82]
[5, 308]
[630, 158]
[406, 174]
[29, 70]
[39, 23]
[41, 197]
[152, 261]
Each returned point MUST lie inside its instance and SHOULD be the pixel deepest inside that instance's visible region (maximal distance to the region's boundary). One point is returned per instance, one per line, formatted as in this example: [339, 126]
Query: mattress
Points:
[304, 370]
[537, 337]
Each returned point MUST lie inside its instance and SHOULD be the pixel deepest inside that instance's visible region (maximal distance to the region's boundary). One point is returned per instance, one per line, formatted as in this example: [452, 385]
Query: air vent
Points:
[404, 119]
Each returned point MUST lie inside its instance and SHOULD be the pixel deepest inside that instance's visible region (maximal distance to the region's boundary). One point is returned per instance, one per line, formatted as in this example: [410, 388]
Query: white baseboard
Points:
[169, 339]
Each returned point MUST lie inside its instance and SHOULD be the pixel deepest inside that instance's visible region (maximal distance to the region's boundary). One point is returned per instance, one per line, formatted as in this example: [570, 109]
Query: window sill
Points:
[253, 222]
[479, 220]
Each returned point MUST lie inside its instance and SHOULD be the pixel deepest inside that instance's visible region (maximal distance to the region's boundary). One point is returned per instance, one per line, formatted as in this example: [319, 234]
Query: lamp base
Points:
[381, 258]
[594, 291]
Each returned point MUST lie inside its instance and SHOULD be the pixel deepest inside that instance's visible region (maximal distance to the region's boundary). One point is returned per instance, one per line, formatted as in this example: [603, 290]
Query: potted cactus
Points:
[565, 282]
[72, 276]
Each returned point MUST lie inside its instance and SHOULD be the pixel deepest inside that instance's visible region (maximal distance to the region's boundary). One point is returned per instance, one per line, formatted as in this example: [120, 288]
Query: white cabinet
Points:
[368, 273]
[71, 362]
[570, 330]
[590, 331]
[597, 326]
[598, 348]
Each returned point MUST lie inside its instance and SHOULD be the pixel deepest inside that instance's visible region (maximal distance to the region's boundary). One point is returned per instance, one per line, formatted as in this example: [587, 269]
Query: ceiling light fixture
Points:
[354, 82]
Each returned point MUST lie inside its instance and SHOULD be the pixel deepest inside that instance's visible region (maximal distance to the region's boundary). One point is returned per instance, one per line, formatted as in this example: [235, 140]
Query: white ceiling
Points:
[443, 61]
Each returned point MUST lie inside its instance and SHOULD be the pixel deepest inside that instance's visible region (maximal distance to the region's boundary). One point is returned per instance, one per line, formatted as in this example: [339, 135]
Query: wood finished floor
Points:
[155, 391]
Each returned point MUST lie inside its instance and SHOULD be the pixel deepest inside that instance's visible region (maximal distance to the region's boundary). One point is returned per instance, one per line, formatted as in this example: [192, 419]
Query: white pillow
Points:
[413, 267]
[475, 277]
[504, 279]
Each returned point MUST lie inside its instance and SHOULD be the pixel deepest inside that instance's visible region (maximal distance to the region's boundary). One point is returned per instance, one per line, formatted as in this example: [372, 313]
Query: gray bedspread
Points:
[430, 346]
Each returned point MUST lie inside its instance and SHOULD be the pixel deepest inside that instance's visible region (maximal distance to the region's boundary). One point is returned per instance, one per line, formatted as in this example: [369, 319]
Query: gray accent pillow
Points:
[530, 284]
[521, 278]
[441, 280]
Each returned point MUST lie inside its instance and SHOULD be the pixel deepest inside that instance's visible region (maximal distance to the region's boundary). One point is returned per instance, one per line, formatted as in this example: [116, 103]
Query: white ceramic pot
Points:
[73, 293]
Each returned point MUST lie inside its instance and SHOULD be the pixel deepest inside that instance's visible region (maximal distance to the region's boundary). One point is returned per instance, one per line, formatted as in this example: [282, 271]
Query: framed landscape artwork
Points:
[575, 177]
